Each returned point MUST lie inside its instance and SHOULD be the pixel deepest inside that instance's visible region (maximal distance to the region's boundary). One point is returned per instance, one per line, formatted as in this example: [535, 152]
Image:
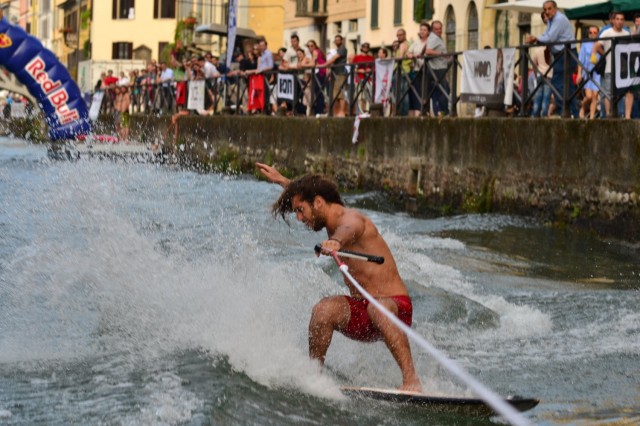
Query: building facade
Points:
[128, 29]
[322, 20]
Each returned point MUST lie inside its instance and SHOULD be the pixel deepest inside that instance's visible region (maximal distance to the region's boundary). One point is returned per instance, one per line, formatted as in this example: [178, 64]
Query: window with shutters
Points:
[163, 9]
[123, 9]
[502, 29]
[122, 50]
[450, 29]
[472, 27]
[374, 13]
[422, 10]
[397, 12]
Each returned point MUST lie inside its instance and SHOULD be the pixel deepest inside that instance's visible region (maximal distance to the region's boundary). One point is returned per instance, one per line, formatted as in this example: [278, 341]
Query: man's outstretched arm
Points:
[272, 175]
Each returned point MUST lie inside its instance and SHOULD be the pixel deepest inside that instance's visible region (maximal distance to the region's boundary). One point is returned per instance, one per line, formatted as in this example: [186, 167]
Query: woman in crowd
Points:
[586, 74]
[318, 58]
[417, 50]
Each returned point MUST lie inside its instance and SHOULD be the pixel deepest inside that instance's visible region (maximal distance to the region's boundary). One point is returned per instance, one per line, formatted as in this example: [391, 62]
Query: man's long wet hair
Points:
[307, 187]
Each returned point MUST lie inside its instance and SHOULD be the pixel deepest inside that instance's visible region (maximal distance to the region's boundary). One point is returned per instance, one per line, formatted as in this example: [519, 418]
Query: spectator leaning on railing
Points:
[601, 47]
[559, 29]
[319, 60]
[439, 64]
[540, 58]
[417, 50]
[166, 80]
[292, 51]
[363, 77]
[586, 73]
[340, 76]
[400, 48]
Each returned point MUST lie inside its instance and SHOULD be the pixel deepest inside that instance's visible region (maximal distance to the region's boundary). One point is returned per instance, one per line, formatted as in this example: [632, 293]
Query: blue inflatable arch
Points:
[46, 79]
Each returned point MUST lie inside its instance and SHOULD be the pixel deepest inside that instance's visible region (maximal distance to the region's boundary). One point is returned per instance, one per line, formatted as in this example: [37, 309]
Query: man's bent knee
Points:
[330, 310]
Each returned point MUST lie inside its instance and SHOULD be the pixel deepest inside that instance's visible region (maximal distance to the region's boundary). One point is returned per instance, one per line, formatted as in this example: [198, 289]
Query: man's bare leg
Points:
[329, 314]
[397, 343]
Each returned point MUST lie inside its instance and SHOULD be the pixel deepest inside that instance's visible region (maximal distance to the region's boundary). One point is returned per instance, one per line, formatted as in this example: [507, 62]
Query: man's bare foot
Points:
[412, 387]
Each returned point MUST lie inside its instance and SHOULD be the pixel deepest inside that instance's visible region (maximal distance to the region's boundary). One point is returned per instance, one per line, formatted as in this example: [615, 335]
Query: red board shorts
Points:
[360, 326]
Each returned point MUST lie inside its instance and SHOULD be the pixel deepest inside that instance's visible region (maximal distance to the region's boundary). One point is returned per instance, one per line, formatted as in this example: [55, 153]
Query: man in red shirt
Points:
[110, 79]
[363, 77]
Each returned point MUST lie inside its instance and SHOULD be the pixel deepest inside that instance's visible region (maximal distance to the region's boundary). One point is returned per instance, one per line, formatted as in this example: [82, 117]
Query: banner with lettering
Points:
[47, 80]
[231, 30]
[384, 79]
[487, 76]
[196, 95]
[96, 104]
[286, 86]
[627, 64]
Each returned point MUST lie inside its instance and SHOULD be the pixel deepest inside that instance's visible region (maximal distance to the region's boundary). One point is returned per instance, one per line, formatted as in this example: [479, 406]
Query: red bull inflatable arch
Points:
[46, 79]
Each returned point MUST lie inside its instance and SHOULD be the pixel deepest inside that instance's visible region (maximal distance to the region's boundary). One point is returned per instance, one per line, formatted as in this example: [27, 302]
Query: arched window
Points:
[450, 29]
[524, 26]
[472, 27]
[502, 29]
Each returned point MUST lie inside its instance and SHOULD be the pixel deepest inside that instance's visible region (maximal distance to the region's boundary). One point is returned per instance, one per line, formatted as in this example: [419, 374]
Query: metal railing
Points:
[434, 89]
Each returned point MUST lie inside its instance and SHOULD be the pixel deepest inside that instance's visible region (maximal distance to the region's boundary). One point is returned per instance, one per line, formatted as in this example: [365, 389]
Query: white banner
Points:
[196, 95]
[96, 104]
[231, 30]
[286, 86]
[487, 76]
[384, 79]
[18, 110]
[627, 65]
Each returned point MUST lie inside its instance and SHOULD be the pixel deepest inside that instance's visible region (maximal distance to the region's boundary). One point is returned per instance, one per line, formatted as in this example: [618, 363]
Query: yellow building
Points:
[119, 31]
[266, 18]
[255, 18]
[71, 21]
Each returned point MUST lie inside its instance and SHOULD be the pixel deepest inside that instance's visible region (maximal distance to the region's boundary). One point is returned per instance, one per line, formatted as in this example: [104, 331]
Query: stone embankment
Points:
[582, 174]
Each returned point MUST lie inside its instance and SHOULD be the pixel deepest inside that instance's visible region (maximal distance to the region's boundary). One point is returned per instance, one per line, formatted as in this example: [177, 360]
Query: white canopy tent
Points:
[535, 6]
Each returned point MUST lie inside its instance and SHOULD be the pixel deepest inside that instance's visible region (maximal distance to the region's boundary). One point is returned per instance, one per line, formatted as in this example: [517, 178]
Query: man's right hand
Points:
[272, 174]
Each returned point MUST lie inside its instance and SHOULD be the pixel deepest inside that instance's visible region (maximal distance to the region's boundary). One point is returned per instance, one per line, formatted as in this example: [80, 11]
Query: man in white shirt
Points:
[210, 70]
[603, 46]
[166, 79]
[292, 51]
[123, 80]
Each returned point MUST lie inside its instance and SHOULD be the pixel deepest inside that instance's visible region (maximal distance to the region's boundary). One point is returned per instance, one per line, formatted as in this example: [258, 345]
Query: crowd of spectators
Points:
[324, 82]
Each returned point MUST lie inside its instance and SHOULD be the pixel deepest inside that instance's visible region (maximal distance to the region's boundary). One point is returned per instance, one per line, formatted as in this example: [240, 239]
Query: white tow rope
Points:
[510, 414]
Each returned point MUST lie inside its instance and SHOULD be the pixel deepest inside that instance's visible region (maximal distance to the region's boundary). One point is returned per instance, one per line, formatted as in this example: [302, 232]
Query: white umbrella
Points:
[535, 6]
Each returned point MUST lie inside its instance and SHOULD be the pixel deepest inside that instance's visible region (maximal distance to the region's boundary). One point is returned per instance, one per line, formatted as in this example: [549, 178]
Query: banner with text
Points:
[96, 104]
[286, 86]
[231, 30]
[384, 79]
[487, 76]
[627, 64]
[196, 95]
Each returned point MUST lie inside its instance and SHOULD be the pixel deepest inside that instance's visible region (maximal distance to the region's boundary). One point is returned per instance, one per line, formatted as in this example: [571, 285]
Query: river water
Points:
[142, 294]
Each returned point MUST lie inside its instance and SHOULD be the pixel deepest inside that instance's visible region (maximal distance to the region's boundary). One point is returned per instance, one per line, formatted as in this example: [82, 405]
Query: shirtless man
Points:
[317, 203]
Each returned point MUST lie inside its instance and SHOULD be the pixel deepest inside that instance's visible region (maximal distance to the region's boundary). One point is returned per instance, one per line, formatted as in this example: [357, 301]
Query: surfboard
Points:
[450, 405]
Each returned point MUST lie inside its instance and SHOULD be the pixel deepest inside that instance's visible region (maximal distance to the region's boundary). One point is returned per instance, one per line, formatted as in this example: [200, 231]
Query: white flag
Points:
[196, 95]
[231, 30]
[384, 78]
